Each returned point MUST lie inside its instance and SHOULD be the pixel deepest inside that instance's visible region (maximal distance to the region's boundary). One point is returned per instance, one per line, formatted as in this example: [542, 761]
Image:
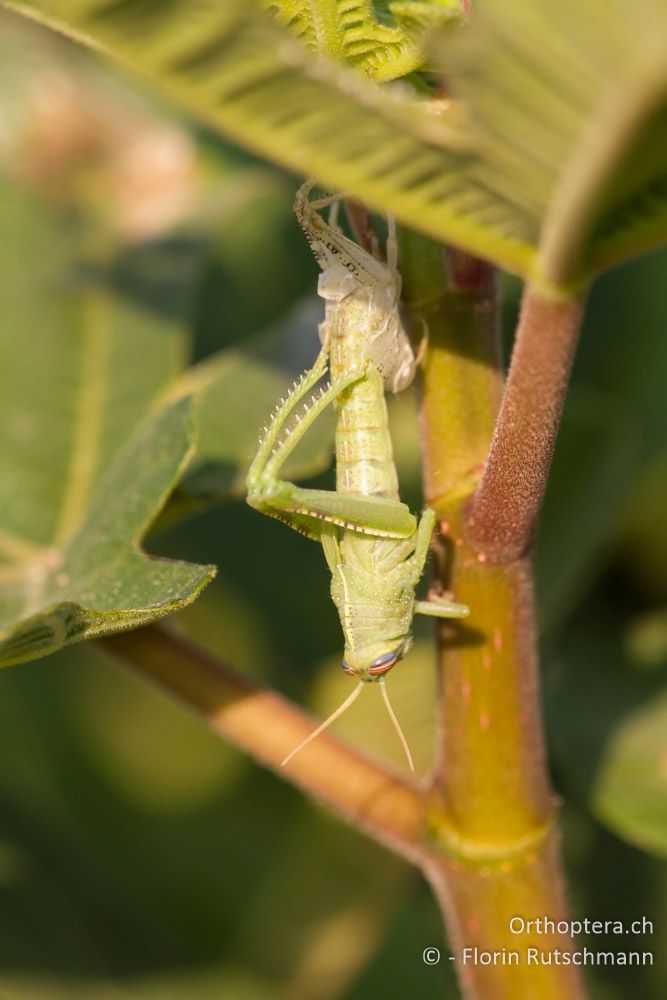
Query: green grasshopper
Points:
[373, 545]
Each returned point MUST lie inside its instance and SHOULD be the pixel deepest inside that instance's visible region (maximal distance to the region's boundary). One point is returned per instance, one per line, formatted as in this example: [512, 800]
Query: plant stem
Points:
[493, 774]
[482, 902]
[492, 817]
[496, 808]
[386, 806]
[502, 516]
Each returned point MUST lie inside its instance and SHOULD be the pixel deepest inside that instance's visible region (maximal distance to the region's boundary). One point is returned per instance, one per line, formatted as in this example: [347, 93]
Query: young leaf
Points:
[351, 32]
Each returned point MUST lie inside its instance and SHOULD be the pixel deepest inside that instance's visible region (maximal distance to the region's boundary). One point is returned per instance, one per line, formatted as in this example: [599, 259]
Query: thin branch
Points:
[501, 518]
[375, 799]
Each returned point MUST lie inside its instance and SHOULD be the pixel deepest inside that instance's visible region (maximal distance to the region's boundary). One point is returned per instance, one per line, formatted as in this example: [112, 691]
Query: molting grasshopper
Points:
[375, 548]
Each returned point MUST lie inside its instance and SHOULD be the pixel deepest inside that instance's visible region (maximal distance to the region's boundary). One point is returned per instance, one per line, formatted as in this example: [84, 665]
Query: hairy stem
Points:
[502, 516]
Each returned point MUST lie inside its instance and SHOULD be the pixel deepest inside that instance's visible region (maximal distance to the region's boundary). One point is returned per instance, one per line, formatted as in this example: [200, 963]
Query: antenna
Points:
[332, 718]
[392, 716]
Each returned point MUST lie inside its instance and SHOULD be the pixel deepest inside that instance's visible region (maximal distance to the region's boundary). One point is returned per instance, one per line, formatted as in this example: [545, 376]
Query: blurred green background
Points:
[139, 856]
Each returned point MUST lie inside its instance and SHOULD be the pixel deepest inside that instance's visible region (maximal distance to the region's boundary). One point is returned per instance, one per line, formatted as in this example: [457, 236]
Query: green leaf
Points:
[559, 170]
[99, 581]
[79, 367]
[630, 794]
[245, 75]
[102, 340]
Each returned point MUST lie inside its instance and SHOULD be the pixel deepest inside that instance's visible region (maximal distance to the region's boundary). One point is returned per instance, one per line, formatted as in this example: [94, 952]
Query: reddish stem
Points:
[501, 518]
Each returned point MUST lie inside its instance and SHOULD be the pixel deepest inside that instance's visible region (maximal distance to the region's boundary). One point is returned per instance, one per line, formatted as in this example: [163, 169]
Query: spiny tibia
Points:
[296, 418]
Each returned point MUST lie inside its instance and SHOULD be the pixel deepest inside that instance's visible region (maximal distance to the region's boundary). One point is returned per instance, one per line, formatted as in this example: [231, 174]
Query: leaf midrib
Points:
[89, 411]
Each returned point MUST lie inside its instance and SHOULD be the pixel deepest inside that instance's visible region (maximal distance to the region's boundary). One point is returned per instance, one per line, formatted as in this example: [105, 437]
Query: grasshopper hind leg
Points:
[266, 491]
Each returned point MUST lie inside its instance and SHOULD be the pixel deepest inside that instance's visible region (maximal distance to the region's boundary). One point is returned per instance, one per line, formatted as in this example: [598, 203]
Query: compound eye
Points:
[348, 669]
[383, 663]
